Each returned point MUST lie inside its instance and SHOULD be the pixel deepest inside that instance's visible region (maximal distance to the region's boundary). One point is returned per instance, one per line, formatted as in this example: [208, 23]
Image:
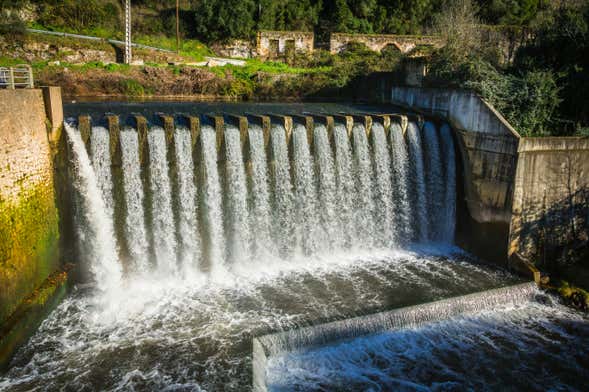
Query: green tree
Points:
[288, 14]
[511, 12]
[222, 19]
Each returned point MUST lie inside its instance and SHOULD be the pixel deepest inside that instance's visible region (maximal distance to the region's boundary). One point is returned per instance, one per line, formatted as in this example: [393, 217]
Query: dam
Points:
[323, 238]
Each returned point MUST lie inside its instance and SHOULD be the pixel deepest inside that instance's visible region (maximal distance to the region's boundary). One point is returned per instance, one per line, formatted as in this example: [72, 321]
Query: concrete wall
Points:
[464, 109]
[488, 148]
[550, 225]
[302, 41]
[29, 234]
[377, 42]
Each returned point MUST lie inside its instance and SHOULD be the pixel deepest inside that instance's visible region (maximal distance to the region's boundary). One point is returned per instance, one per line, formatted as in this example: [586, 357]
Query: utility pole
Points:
[177, 26]
[128, 55]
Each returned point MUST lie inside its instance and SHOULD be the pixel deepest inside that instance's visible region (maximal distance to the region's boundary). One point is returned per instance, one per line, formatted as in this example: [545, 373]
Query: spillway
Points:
[235, 195]
[201, 232]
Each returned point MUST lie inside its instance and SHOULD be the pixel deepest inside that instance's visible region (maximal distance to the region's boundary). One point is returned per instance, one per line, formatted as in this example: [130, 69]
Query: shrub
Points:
[11, 27]
[132, 88]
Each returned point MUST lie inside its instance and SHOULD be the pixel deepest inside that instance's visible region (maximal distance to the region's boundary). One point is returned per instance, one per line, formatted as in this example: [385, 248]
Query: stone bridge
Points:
[377, 42]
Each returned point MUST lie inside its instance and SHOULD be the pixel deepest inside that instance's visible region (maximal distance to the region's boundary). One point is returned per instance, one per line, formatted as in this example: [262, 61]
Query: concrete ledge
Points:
[267, 346]
[532, 144]
[464, 109]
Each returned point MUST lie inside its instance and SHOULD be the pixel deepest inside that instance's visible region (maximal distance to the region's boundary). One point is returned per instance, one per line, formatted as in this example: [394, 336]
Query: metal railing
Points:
[19, 76]
[87, 37]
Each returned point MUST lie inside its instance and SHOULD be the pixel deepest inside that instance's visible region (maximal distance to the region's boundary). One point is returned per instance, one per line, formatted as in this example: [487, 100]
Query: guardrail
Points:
[19, 76]
[90, 38]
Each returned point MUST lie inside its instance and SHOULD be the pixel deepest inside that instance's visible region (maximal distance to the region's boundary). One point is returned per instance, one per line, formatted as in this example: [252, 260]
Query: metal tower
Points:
[128, 55]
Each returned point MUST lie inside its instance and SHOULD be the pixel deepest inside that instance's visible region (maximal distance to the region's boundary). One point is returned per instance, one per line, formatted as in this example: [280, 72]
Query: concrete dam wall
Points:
[529, 192]
[488, 148]
[550, 221]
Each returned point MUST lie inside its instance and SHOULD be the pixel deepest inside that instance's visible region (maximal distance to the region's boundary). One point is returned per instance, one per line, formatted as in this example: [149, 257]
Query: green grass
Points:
[193, 49]
[254, 65]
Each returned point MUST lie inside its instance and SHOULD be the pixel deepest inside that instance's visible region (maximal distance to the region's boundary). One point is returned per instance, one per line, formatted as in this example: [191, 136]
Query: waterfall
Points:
[283, 196]
[306, 229]
[260, 221]
[345, 182]
[240, 199]
[384, 190]
[401, 183]
[211, 199]
[190, 249]
[100, 154]
[363, 204]
[449, 219]
[328, 207]
[135, 230]
[418, 197]
[163, 226]
[103, 259]
[435, 187]
[236, 192]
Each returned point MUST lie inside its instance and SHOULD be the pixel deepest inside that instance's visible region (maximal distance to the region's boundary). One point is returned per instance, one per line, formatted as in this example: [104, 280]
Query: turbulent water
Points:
[186, 334]
[225, 239]
[529, 346]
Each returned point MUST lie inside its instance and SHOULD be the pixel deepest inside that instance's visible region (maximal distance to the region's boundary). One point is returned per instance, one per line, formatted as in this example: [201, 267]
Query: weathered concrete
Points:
[465, 109]
[377, 42]
[488, 148]
[550, 221]
[271, 44]
[29, 235]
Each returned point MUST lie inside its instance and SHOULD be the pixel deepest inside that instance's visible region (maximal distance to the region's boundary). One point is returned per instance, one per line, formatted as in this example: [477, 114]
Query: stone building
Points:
[272, 44]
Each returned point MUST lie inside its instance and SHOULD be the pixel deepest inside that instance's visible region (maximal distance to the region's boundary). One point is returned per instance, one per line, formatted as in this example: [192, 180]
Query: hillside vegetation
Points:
[543, 91]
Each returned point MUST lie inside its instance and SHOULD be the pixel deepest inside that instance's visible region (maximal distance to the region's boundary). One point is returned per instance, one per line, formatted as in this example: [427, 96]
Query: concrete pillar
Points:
[241, 123]
[400, 119]
[307, 121]
[54, 112]
[85, 127]
[287, 123]
[116, 167]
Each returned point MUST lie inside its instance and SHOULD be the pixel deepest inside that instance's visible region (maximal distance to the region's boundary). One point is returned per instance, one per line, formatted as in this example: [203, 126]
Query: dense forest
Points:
[210, 20]
[543, 91]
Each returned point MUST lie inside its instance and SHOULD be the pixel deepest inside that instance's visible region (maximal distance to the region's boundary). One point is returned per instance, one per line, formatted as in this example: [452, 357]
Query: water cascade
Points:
[188, 225]
[400, 178]
[206, 232]
[236, 213]
[163, 227]
[136, 233]
[417, 176]
[253, 195]
[261, 219]
[449, 220]
[328, 207]
[435, 186]
[98, 236]
[384, 189]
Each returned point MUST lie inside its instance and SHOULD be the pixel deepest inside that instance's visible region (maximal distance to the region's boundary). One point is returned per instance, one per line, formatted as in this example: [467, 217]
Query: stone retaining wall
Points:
[29, 233]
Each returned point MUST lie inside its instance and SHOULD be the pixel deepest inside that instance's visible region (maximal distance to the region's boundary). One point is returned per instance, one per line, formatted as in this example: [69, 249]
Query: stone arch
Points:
[391, 46]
